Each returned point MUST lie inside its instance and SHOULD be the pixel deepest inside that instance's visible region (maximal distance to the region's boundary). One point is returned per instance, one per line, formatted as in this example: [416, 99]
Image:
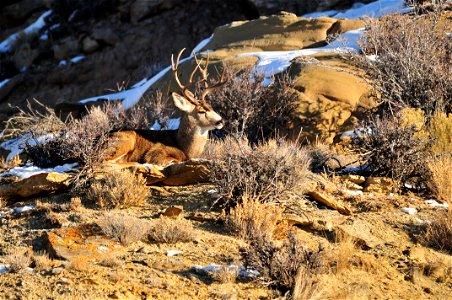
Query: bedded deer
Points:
[168, 146]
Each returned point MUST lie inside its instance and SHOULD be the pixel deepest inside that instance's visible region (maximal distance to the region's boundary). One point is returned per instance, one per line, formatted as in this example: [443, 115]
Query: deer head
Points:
[198, 112]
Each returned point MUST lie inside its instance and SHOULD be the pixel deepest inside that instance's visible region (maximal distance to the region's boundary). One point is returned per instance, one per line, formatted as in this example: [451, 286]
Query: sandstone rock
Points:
[173, 211]
[360, 232]
[66, 48]
[379, 185]
[144, 8]
[188, 172]
[330, 202]
[152, 174]
[89, 45]
[357, 179]
[85, 240]
[202, 217]
[36, 184]
[105, 35]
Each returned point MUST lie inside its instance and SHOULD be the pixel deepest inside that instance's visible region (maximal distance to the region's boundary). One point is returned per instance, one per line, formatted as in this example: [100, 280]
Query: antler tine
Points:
[210, 89]
[184, 88]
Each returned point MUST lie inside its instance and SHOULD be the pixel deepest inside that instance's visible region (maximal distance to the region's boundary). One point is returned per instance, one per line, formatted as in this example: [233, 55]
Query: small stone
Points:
[357, 179]
[89, 45]
[379, 185]
[58, 270]
[173, 211]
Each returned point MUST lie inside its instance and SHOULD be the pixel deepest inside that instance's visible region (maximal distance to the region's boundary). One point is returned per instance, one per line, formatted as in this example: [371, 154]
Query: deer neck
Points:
[191, 138]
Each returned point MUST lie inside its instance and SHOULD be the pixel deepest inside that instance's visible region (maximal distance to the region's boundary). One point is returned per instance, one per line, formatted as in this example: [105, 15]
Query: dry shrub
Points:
[321, 156]
[225, 274]
[75, 203]
[439, 181]
[13, 162]
[110, 261]
[438, 233]
[118, 189]
[439, 129]
[252, 219]
[171, 231]
[345, 252]
[254, 111]
[42, 261]
[80, 263]
[122, 227]
[393, 149]
[306, 286]
[413, 61]
[18, 259]
[271, 171]
[36, 118]
[279, 265]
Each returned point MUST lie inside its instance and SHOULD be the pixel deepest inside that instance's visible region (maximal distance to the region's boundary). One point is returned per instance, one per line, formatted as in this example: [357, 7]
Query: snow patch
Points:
[173, 252]
[434, 203]
[30, 170]
[409, 210]
[6, 45]
[78, 58]
[21, 209]
[17, 145]
[245, 272]
[4, 82]
[273, 62]
[352, 169]
[4, 268]
[375, 9]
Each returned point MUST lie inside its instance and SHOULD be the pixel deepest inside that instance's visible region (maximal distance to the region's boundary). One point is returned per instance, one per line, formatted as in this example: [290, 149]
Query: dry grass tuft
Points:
[75, 203]
[438, 233]
[171, 231]
[18, 259]
[122, 227]
[110, 261]
[118, 189]
[306, 286]
[252, 219]
[279, 265]
[42, 261]
[439, 181]
[13, 162]
[273, 171]
[345, 252]
[80, 263]
[225, 274]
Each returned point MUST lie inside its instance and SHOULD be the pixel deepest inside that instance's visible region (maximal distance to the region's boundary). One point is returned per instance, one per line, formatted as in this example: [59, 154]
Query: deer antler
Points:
[187, 93]
[203, 70]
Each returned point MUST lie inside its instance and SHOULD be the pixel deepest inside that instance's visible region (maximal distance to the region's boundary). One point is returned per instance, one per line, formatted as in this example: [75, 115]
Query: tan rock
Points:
[85, 240]
[360, 232]
[330, 202]
[379, 185]
[89, 45]
[188, 172]
[36, 184]
[357, 179]
[173, 211]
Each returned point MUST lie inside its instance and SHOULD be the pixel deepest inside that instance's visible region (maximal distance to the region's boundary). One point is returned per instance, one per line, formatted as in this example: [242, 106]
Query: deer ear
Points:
[182, 103]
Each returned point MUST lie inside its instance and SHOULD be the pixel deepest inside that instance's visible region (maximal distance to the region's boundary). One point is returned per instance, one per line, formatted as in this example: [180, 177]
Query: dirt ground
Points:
[396, 267]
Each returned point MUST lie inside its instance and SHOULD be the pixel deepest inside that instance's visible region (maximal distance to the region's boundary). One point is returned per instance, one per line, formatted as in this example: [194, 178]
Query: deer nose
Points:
[219, 124]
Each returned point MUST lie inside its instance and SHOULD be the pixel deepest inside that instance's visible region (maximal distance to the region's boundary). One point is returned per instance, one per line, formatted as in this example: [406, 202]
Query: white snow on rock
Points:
[21, 209]
[375, 9]
[409, 210]
[173, 252]
[32, 28]
[171, 124]
[245, 272]
[17, 145]
[273, 62]
[2, 83]
[434, 203]
[4, 268]
[131, 96]
[30, 170]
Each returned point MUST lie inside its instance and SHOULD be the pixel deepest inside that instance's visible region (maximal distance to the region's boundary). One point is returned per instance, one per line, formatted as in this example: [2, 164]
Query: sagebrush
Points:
[122, 227]
[413, 61]
[171, 231]
[271, 171]
[118, 189]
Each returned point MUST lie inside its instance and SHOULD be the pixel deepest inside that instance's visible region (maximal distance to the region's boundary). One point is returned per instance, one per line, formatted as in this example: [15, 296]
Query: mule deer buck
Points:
[167, 146]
